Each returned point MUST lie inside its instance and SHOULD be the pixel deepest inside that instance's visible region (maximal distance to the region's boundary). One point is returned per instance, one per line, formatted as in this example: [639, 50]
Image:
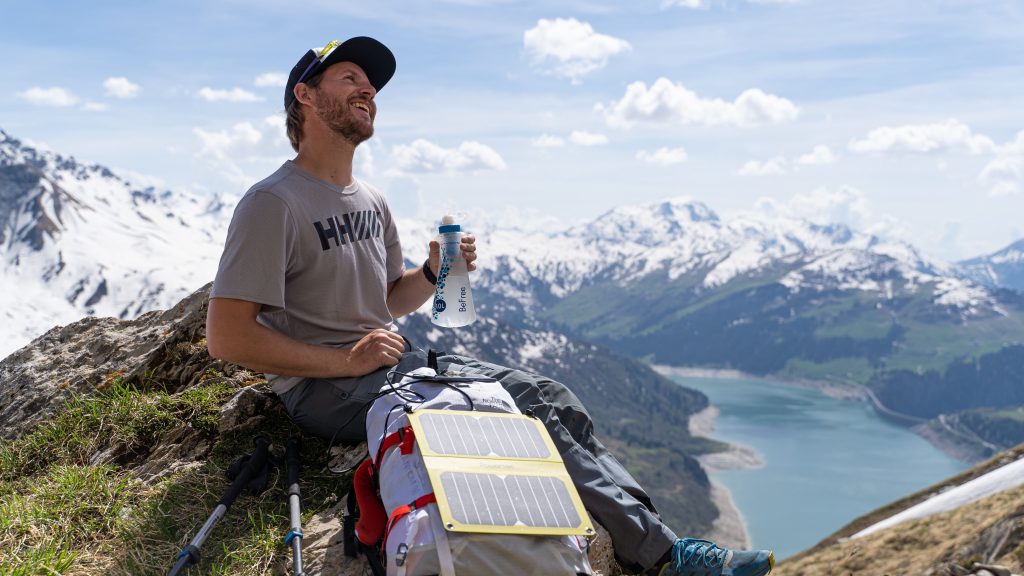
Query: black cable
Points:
[409, 396]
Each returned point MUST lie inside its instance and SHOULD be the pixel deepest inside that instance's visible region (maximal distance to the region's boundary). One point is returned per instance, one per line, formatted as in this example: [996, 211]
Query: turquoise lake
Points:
[827, 461]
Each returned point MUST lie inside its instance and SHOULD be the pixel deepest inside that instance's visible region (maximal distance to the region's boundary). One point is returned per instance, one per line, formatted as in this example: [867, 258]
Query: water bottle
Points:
[453, 299]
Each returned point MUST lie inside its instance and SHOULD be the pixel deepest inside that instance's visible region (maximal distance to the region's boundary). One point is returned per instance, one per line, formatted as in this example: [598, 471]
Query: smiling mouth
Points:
[362, 106]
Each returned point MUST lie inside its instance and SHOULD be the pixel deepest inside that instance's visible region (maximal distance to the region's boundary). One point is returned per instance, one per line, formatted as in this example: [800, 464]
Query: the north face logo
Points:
[351, 227]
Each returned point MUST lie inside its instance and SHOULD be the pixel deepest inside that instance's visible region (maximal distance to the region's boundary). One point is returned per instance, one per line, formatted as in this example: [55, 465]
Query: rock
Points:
[89, 354]
[346, 456]
[247, 408]
[601, 554]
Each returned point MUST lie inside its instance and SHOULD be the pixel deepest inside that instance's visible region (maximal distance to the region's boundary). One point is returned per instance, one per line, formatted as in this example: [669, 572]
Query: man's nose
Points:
[368, 90]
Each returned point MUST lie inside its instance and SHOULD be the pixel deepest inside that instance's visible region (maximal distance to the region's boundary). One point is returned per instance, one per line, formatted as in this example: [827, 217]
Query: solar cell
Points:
[497, 473]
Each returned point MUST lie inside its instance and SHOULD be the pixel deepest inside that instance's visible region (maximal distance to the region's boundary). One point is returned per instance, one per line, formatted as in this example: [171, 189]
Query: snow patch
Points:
[1003, 478]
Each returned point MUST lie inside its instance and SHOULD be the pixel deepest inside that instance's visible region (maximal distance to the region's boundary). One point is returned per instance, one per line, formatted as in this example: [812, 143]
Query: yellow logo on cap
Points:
[327, 49]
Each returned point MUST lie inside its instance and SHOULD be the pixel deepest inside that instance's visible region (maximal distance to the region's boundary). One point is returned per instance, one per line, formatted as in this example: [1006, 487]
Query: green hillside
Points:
[919, 358]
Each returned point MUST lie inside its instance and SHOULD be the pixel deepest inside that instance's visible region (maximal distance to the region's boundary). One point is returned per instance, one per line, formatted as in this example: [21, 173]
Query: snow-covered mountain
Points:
[684, 240]
[1002, 269]
[77, 239]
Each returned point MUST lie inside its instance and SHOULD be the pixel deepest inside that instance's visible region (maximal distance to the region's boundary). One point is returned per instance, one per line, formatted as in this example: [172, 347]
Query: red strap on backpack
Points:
[403, 437]
[402, 511]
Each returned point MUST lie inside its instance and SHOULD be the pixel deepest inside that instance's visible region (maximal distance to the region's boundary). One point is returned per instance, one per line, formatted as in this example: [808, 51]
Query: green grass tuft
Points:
[61, 512]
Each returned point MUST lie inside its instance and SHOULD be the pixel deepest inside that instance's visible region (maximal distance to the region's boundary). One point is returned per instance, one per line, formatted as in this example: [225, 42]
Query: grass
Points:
[73, 502]
[917, 546]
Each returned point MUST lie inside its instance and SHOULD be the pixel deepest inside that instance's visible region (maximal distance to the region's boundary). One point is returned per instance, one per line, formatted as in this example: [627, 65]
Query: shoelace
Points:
[691, 551]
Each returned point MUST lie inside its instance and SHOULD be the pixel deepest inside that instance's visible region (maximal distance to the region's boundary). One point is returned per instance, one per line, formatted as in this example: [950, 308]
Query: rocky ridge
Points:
[165, 351]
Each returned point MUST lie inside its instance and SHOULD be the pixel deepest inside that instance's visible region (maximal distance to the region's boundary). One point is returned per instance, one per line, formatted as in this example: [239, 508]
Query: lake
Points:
[827, 461]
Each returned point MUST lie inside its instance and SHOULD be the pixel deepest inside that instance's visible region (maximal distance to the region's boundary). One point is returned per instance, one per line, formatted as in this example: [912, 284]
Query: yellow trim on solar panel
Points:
[498, 473]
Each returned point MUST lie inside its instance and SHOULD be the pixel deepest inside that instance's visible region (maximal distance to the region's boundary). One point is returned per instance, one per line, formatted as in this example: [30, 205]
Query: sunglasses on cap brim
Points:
[321, 55]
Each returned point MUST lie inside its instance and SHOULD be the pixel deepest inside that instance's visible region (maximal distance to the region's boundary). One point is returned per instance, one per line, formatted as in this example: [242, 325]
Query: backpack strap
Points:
[404, 437]
[403, 511]
[444, 550]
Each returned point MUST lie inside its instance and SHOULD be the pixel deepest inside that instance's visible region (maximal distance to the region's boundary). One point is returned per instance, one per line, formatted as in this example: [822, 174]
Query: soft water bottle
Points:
[453, 299]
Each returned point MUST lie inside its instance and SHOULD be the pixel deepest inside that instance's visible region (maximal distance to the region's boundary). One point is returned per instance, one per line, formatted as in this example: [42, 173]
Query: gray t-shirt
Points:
[318, 257]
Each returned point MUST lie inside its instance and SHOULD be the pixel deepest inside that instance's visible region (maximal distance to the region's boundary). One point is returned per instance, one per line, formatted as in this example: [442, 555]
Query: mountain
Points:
[672, 283]
[667, 282]
[1002, 269]
[972, 523]
[78, 239]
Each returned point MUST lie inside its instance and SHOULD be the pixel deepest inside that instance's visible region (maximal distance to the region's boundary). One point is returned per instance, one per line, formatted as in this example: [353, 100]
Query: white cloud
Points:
[423, 156]
[845, 205]
[663, 156]
[221, 142]
[705, 3]
[570, 48]
[821, 155]
[547, 141]
[582, 138]
[667, 102]
[773, 167]
[683, 3]
[1005, 173]
[949, 135]
[271, 79]
[95, 107]
[55, 96]
[233, 95]
[260, 145]
[364, 162]
[121, 87]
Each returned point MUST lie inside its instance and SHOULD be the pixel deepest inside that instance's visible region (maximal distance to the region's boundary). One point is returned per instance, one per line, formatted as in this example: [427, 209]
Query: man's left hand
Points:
[468, 247]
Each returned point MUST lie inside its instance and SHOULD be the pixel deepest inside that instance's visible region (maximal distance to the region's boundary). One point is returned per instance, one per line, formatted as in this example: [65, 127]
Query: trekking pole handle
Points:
[256, 462]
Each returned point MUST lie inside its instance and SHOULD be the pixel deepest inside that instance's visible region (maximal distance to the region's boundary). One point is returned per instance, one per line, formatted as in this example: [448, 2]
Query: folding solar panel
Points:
[497, 473]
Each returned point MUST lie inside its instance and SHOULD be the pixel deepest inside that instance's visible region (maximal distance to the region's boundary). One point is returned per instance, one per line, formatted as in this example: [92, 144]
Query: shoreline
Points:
[729, 529]
[838, 390]
[950, 445]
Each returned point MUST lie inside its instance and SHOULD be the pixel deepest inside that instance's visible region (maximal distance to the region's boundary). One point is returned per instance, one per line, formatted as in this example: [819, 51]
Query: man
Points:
[312, 277]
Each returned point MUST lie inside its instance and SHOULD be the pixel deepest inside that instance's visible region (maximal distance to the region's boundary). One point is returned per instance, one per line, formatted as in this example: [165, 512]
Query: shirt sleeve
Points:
[256, 252]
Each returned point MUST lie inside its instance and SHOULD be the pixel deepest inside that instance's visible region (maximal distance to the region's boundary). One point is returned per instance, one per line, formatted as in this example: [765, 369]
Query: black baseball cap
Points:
[374, 58]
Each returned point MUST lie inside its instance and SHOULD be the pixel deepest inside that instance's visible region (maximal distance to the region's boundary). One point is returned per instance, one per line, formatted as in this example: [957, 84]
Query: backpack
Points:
[398, 524]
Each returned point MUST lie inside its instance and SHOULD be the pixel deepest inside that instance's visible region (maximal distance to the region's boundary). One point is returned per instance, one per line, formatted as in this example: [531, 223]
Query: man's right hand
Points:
[233, 334]
[378, 349]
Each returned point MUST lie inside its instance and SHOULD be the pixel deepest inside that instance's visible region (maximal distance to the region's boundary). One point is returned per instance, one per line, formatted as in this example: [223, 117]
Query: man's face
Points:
[344, 102]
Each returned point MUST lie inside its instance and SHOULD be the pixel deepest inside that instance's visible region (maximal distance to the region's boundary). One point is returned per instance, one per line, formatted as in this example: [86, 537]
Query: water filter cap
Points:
[448, 225]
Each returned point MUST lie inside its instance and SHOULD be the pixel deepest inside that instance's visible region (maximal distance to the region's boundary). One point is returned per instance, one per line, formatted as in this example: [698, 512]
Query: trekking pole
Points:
[294, 536]
[257, 461]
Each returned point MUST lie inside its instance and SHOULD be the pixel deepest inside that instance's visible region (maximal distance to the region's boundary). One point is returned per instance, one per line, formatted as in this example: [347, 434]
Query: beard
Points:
[340, 118]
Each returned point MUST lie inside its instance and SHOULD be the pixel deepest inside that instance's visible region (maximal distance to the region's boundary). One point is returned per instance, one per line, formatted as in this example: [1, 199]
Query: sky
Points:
[901, 118]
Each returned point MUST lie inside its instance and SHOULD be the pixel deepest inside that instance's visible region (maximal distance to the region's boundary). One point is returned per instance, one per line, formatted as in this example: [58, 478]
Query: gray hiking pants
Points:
[337, 407]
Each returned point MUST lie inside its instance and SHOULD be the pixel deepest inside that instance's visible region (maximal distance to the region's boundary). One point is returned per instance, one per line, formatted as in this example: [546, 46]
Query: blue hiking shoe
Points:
[693, 557]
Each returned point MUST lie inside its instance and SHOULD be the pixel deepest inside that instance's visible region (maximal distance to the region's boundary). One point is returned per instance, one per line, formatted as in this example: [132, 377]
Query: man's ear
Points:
[302, 93]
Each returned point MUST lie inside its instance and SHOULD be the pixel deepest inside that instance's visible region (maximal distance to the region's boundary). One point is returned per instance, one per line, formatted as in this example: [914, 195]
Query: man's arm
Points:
[233, 334]
[412, 289]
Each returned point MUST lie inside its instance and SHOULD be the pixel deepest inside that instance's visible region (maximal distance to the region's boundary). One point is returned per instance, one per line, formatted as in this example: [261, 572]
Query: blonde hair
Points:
[295, 116]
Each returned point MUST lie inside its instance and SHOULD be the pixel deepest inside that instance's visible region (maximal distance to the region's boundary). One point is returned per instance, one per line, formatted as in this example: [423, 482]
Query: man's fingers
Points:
[468, 247]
